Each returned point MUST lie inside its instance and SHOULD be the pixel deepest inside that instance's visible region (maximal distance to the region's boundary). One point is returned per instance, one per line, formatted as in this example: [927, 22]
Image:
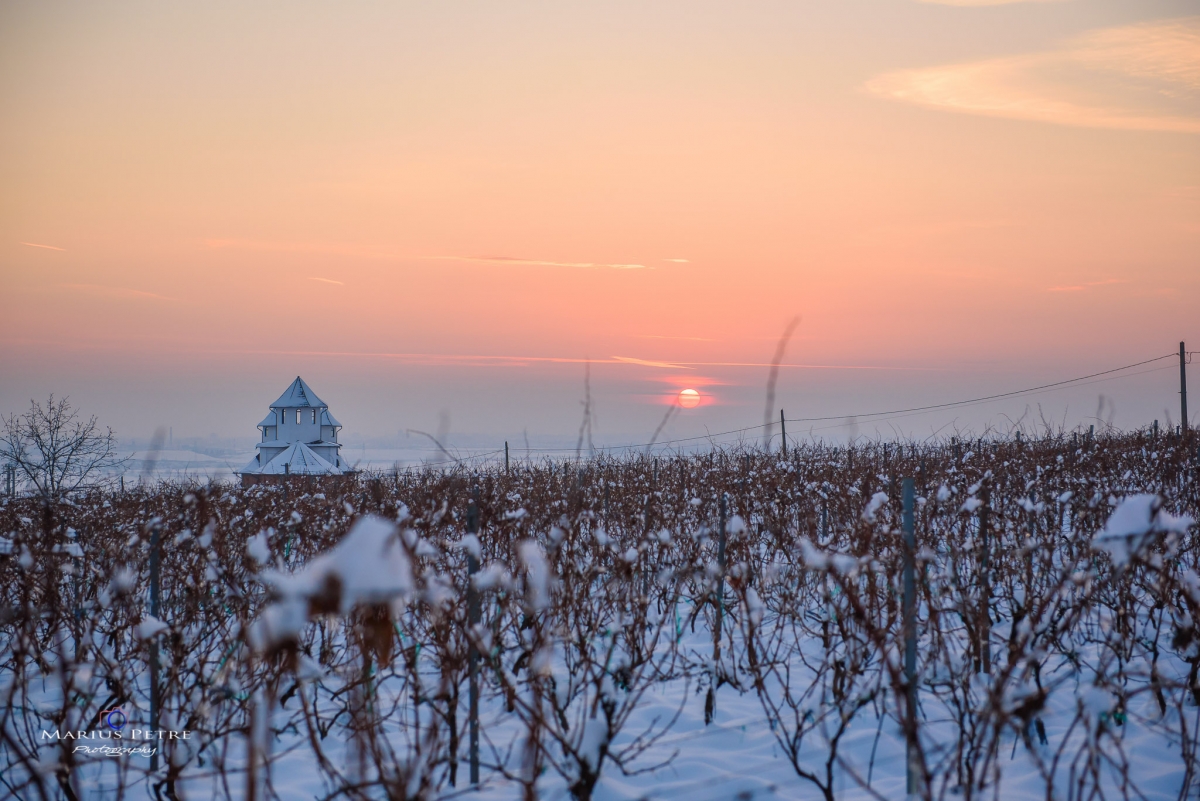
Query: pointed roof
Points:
[300, 460]
[298, 394]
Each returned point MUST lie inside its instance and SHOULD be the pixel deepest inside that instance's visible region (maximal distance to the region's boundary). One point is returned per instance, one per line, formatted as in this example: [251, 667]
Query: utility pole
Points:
[783, 431]
[1183, 389]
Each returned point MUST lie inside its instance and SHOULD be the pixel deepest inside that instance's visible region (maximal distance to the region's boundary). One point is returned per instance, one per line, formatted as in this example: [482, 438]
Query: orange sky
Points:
[200, 201]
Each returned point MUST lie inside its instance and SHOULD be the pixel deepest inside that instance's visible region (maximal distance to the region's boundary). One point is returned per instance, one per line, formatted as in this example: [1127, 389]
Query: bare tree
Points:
[51, 448]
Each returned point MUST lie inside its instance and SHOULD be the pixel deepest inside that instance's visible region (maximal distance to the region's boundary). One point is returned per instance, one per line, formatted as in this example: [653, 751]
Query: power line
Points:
[881, 419]
[877, 415]
[987, 397]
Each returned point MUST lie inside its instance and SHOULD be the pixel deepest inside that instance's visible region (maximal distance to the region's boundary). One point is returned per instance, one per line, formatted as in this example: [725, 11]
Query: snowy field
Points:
[721, 626]
[222, 464]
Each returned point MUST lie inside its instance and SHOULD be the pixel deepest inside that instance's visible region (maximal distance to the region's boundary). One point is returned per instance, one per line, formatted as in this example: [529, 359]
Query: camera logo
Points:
[114, 718]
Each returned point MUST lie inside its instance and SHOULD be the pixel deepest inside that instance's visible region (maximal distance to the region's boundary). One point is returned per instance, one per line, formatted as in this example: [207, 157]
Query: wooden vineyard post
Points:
[985, 584]
[645, 557]
[710, 703]
[721, 578]
[783, 432]
[155, 707]
[909, 604]
[473, 618]
[506, 457]
[77, 562]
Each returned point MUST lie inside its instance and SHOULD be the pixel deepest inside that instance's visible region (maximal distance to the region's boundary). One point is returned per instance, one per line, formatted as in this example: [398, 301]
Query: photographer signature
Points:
[116, 750]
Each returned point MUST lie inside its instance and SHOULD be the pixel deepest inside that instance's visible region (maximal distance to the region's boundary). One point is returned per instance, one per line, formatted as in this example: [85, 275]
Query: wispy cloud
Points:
[543, 262]
[649, 363]
[678, 261]
[941, 227]
[808, 366]
[1187, 192]
[262, 246]
[36, 245]
[492, 360]
[115, 291]
[324, 248]
[326, 280]
[1143, 77]
[253, 244]
[428, 359]
[664, 336]
[1085, 285]
[966, 3]
[451, 359]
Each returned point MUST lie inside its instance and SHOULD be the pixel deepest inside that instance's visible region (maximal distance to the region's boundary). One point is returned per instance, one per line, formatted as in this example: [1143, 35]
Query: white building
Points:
[299, 438]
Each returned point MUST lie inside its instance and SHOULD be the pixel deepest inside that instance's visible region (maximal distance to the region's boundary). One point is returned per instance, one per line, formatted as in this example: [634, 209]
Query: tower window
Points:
[297, 417]
[314, 415]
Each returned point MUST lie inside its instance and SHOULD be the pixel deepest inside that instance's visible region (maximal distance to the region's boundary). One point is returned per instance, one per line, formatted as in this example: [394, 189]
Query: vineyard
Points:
[991, 619]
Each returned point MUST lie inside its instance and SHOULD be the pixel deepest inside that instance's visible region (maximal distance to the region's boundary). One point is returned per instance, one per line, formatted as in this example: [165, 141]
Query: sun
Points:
[689, 398]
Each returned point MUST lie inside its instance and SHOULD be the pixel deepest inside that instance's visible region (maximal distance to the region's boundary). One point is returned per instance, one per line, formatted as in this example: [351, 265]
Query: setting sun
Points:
[689, 398]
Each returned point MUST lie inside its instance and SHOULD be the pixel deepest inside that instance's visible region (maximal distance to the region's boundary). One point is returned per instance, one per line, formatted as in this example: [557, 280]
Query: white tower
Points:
[299, 437]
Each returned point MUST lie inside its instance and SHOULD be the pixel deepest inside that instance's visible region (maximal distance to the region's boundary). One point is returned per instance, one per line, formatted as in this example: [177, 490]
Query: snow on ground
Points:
[1055, 624]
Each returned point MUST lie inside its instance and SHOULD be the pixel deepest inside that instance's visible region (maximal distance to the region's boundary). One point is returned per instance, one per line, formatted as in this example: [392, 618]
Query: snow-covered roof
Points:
[298, 394]
[269, 420]
[274, 444]
[297, 459]
[328, 419]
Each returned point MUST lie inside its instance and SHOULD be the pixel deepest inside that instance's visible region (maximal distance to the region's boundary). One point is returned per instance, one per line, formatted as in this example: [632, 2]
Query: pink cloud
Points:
[1137, 77]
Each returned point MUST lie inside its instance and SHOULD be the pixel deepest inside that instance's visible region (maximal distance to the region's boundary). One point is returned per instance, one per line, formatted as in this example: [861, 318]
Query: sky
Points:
[473, 218]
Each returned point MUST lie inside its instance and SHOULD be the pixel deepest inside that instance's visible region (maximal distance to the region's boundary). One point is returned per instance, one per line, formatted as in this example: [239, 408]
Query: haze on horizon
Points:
[442, 215]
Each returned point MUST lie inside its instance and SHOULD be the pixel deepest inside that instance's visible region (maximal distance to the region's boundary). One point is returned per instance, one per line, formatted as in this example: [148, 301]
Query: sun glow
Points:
[689, 398]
